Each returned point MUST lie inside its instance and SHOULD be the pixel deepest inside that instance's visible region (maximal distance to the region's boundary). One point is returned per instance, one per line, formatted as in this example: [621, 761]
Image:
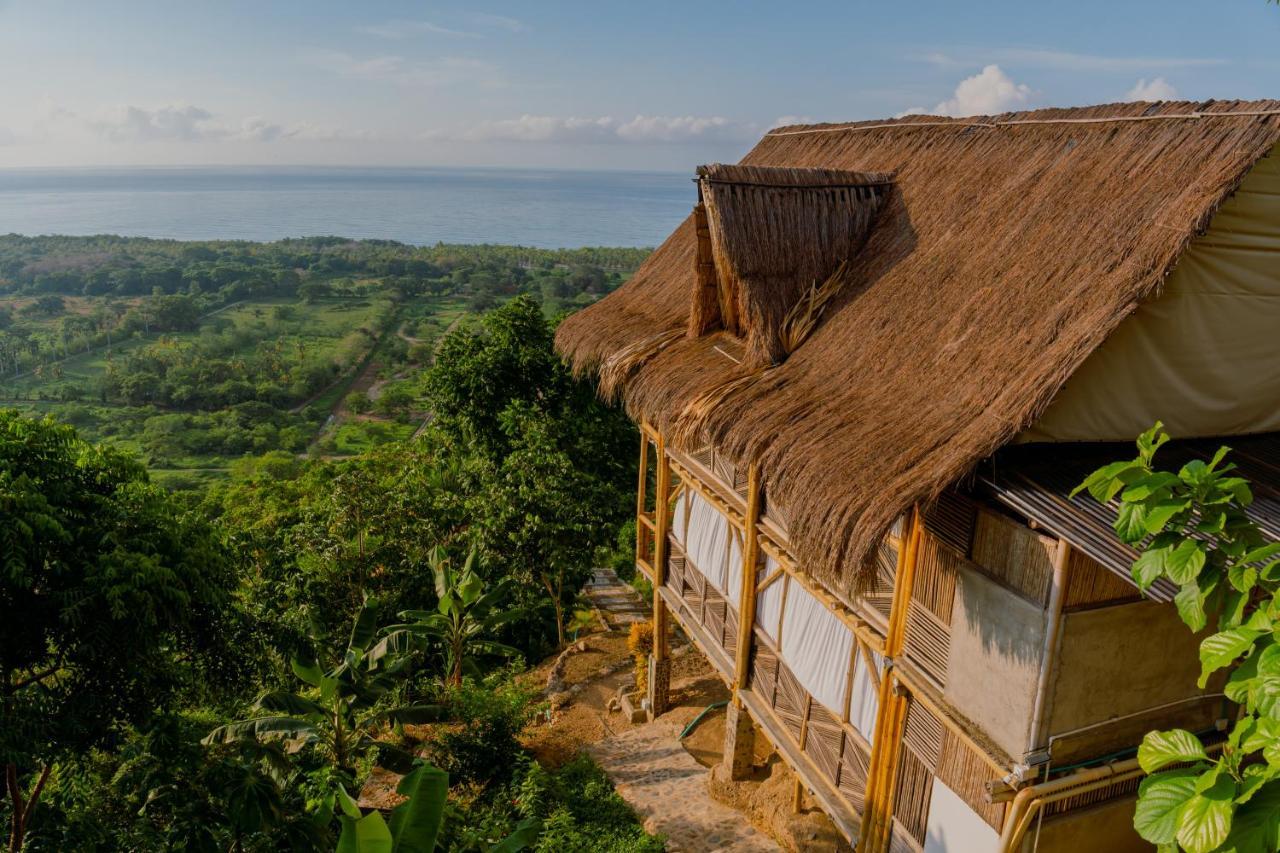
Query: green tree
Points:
[113, 599]
[1191, 527]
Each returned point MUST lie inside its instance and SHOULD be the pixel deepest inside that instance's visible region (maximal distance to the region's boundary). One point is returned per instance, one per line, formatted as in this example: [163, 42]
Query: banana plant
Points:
[338, 712]
[466, 617]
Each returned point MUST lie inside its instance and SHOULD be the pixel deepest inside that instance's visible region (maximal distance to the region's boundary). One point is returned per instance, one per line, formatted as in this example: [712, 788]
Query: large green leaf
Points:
[1205, 821]
[1160, 801]
[1160, 749]
[1184, 562]
[1190, 604]
[369, 834]
[284, 702]
[1221, 649]
[262, 728]
[308, 671]
[364, 629]
[1256, 825]
[416, 822]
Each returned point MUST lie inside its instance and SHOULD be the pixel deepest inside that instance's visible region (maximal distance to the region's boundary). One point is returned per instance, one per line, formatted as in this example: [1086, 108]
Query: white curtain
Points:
[769, 601]
[714, 546]
[864, 699]
[816, 647]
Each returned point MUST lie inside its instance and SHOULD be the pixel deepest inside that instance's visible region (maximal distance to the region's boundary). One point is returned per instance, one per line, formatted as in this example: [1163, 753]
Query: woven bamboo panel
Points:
[935, 578]
[764, 673]
[1015, 555]
[963, 771]
[901, 842]
[824, 741]
[789, 700]
[676, 566]
[951, 519]
[879, 597]
[731, 631]
[695, 592]
[928, 643]
[854, 767]
[915, 786]
[924, 734]
[1089, 584]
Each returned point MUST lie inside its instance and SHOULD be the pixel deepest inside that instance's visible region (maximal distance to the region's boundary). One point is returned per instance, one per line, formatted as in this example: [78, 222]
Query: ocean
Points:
[544, 208]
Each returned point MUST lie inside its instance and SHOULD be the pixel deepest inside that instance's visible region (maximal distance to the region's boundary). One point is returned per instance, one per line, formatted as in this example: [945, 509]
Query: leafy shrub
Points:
[482, 748]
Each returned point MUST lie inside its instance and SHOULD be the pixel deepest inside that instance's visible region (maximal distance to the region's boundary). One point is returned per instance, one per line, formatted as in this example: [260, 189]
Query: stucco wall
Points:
[1105, 829]
[1120, 660]
[997, 638]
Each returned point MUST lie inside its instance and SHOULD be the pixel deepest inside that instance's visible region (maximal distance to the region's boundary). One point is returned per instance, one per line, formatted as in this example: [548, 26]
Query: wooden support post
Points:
[747, 594]
[641, 530]
[660, 671]
[891, 716]
[739, 736]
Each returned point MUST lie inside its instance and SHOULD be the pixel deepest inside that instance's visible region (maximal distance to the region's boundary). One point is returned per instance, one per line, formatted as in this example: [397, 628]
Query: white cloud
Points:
[986, 93]
[189, 123]
[174, 121]
[603, 129]
[406, 29]
[1157, 89]
[426, 74]
[501, 22]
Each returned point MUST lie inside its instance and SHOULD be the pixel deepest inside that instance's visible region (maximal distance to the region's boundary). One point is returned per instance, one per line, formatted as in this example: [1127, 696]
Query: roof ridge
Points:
[961, 123]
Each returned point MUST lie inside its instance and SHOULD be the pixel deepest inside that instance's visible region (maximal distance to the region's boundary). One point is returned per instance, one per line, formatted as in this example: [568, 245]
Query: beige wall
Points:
[1102, 829]
[997, 638]
[1120, 660]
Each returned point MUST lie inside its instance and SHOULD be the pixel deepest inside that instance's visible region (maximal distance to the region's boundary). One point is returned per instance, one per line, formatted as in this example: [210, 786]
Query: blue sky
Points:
[649, 85]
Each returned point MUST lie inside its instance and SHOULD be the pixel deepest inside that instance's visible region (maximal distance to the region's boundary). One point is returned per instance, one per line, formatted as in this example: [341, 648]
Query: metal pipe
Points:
[1049, 654]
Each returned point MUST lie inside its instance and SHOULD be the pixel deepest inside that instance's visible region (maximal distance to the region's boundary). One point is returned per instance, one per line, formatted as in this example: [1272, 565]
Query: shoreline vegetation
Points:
[215, 458]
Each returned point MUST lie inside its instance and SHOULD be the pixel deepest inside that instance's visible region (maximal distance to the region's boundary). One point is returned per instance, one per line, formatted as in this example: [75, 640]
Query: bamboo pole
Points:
[884, 753]
[641, 530]
[660, 616]
[747, 595]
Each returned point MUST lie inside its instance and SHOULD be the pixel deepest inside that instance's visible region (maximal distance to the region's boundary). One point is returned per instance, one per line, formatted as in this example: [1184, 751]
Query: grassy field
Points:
[373, 343]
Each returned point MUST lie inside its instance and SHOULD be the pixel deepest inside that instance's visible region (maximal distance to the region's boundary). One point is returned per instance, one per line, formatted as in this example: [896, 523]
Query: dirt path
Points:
[667, 787]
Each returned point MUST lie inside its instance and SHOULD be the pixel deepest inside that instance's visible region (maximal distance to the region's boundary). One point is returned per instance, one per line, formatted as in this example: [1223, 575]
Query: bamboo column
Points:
[739, 734]
[641, 530]
[660, 667]
[882, 775]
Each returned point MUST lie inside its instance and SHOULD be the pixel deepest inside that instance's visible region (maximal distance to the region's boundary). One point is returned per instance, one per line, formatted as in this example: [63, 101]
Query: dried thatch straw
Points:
[773, 231]
[1004, 256]
[803, 317]
[626, 361]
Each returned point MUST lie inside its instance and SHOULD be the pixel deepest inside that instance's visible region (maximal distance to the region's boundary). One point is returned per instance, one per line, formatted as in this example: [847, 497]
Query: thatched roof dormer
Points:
[773, 244]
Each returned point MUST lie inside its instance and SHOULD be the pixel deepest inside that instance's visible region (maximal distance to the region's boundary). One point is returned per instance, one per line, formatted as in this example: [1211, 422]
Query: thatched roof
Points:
[1007, 250]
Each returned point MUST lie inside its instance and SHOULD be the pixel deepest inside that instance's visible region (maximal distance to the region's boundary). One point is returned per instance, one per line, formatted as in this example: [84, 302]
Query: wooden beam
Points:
[747, 595]
[660, 650]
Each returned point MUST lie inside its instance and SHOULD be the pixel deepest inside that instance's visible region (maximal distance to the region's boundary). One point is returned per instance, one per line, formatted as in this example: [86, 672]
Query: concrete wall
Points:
[997, 638]
[1120, 660]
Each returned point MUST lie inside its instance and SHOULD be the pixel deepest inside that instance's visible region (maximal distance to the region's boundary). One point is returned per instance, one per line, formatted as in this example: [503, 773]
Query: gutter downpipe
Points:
[1057, 591]
[1030, 799]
